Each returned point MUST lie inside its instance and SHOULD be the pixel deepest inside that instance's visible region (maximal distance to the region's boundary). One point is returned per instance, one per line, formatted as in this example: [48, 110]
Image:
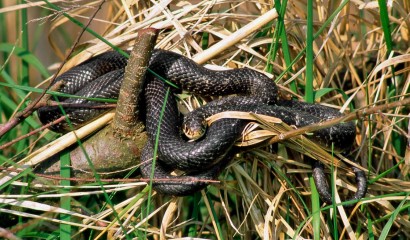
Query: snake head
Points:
[194, 129]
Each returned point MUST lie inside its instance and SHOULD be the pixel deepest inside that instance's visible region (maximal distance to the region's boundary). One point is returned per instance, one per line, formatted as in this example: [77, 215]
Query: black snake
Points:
[202, 160]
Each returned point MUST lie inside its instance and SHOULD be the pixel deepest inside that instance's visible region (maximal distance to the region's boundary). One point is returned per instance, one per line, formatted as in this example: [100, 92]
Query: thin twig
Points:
[78, 105]
[359, 114]
[20, 116]
[58, 120]
[106, 180]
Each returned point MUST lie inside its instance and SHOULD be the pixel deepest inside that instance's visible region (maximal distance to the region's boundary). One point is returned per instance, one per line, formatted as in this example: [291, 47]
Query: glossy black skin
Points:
[204, 159]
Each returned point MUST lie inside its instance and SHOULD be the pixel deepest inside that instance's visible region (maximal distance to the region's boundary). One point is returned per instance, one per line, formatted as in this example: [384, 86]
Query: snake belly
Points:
[202, 160]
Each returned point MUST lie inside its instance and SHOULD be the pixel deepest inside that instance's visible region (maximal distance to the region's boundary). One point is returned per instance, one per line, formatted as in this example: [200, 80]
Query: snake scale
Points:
[204, 159]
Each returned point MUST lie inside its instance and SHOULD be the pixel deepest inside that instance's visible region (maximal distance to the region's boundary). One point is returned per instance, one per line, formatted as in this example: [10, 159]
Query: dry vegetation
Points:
[264, 194]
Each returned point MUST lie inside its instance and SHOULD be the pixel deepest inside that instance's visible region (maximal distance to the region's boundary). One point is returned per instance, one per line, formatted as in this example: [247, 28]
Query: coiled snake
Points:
[204, 159]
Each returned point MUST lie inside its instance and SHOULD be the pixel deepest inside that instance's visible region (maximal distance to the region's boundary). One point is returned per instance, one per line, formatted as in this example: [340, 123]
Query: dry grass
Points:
[263, 194]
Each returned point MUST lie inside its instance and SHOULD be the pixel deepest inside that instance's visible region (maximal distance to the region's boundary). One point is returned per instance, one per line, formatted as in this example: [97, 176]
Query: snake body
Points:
[202, 160]
[98, 77]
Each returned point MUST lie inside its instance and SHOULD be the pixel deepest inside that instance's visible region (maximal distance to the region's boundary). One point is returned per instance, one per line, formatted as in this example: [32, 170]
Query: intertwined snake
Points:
[204, 159]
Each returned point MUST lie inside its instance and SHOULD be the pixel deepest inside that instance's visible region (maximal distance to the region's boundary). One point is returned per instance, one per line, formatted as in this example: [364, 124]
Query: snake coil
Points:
[204, 159]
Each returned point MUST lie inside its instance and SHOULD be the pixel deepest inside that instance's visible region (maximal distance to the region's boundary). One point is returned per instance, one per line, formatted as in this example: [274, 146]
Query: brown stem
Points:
[126, 120]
